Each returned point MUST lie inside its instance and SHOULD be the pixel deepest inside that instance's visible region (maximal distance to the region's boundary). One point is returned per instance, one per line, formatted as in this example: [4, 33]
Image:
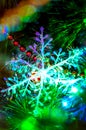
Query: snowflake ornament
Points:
[45, 77]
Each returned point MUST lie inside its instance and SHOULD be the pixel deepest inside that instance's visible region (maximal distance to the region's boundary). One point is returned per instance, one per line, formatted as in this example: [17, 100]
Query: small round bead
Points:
[23, 49]
[16, 43]
[38, 78]
[28, 53]
[10, 37]
[34, 58]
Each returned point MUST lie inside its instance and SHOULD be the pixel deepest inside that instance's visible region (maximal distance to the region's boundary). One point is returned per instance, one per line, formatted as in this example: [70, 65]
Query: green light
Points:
[29, 124]
[84, 20]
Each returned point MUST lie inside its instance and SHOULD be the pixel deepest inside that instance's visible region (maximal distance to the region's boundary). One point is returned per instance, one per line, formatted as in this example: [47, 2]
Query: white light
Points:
[64, 103]
[74, 90]
[43, 72]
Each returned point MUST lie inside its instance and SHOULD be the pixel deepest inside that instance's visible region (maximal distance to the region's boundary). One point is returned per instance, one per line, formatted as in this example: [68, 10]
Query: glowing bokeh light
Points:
[64, 103]
[74, 90]
[23, 13]
[29, 124]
